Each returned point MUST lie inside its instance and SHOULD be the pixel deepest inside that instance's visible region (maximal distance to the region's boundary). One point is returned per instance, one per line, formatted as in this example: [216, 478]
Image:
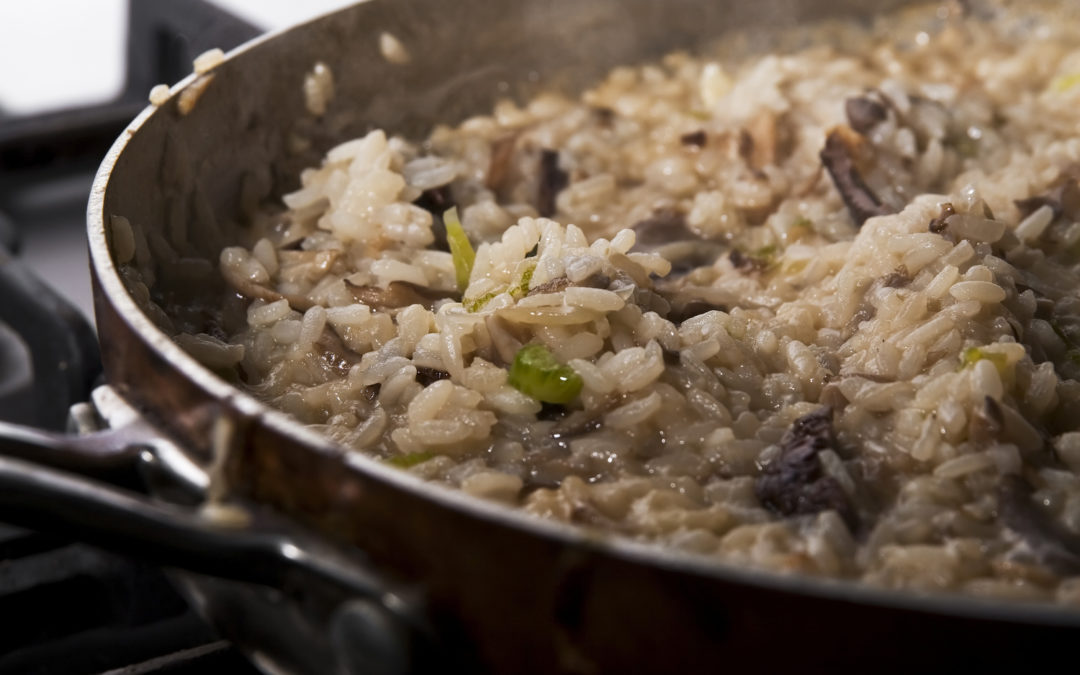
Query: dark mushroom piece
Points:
[695, 139]
[334, 355]
[662, 227]
[938, 225]
[864, 113]
[553, 286]
[1064, 198]
[666, 233]
[553, 180]
[898, 278]
[759, 141]
[1050, 543]
[426, 376]
[502, 152]
[795, 483]
[437, 201]
[860, 200]
[690, 308]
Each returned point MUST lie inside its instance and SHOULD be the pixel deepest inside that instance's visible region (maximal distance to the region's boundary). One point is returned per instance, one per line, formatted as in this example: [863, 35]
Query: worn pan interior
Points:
[527, 595]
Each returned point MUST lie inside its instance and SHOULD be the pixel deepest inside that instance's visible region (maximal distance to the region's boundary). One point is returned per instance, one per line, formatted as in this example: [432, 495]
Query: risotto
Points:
[813, 310]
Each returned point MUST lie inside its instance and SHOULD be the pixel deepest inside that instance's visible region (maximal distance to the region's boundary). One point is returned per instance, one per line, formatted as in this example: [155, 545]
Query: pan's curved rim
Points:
[595, 542]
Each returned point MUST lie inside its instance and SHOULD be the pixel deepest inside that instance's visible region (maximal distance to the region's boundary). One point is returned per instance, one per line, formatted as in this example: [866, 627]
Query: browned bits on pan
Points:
[795, 482]
[860, 200]
[864, 114]
[553, 180]
[937, 225]
[695, 138]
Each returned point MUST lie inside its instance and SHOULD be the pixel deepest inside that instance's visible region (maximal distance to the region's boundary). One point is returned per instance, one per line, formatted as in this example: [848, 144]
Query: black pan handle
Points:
[111, 455]
[366, 612]
[42, 498]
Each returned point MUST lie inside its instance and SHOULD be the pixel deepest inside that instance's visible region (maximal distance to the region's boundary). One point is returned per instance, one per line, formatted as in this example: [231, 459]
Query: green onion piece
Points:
[474, 305]
[522, 289]
[535, 372]
[460, 249]
[972, 355]
[1065, 82]
[410, 460]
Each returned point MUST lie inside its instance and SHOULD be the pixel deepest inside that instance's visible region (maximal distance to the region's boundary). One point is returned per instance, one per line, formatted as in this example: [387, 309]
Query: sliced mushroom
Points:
[254, 291]
[553, 180]
[864, 113]
[938, 224]
[666, 233]
[838, 159]
[502, 154]
[1063, 198]
[690, 308]
[1050, 542]
[898, 278]
[795, 482]
[396, 295]
[437, 201]
[426, 376]
[697, 139]
[334, 355]
[759, 141]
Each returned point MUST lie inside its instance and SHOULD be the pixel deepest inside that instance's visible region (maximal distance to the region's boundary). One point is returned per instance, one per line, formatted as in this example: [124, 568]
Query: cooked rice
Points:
[704, 277]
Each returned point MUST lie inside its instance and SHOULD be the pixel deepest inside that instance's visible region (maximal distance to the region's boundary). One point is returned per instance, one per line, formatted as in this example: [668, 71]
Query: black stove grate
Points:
[66, 607]
[74, 609]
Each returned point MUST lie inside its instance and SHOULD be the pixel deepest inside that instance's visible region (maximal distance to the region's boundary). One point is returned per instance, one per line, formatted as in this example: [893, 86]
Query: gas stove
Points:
[68, 607]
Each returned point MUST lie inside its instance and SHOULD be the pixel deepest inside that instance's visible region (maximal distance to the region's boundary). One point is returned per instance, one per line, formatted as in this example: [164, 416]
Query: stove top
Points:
[68, 607]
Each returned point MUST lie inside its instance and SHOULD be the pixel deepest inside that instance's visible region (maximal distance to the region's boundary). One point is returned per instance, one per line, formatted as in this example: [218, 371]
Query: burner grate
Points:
[66, 607]
[73, 609]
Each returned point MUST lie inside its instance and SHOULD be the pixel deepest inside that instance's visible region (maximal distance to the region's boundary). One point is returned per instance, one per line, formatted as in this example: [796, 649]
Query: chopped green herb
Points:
[535, 372]
[766, 254]
[1065, 82]
[474, 305]
[972, 355]
[460, 249]
[410, 460]
[522, 289]
[1073, 355]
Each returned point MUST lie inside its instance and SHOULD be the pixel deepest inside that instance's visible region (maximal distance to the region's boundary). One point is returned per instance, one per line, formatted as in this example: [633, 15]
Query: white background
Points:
[70, 53]
[57, 53]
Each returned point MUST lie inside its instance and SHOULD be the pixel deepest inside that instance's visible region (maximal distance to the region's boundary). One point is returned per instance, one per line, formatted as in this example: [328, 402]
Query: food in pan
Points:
[813, 309]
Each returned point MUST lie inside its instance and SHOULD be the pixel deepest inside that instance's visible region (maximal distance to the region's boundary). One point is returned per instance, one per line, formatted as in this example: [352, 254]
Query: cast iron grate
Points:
[66, 607]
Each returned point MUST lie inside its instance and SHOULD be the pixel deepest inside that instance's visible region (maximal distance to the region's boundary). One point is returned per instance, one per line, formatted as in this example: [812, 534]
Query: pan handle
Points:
[111, 455]
[40, 489]
[42, 498]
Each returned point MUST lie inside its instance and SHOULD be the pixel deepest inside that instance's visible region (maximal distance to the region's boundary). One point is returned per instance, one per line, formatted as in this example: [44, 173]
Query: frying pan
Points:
[330, 561]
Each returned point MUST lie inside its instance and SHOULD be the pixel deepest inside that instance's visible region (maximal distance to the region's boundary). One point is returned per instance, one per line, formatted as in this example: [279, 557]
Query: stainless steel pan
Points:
[439, 571]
